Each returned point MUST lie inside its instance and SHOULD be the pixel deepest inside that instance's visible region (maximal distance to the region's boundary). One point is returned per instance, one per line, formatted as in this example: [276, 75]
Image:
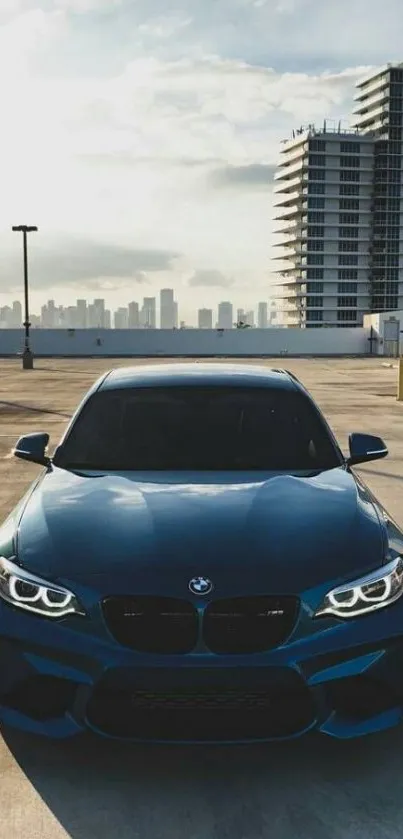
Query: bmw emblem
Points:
[200, 585]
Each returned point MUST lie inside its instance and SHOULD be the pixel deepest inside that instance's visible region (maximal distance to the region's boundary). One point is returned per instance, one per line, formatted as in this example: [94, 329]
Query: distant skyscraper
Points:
[246, 318]
[70, 317]
[5, 315]
[121, 318]
[148, 313]
[167, 309]
[17, 314]
[99, 310]
[273, 313]
[91, 316]
[81, 306]
[134, 315]
[96, 314]
[262, 317]
[59, 316]
[225, 315]
[50, 315]
[205, 318]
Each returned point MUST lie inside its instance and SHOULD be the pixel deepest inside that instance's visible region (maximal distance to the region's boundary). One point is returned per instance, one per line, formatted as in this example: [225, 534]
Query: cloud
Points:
[164, 26]
[81, 7]
[251, 176]
[23, 38]
[209, 278]
[70, 262]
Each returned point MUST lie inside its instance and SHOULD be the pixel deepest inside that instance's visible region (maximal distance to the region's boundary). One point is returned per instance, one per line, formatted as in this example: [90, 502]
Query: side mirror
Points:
[365, 447]
[33, 447]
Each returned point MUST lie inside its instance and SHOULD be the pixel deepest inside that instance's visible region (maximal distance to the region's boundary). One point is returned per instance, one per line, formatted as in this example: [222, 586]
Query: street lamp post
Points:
[27, 357]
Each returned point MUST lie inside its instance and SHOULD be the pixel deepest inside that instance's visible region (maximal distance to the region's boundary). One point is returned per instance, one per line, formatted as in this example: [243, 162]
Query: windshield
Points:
[198, 428]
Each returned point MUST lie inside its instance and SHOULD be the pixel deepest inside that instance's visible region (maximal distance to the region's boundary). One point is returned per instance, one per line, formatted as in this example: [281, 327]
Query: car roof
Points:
[198, 374]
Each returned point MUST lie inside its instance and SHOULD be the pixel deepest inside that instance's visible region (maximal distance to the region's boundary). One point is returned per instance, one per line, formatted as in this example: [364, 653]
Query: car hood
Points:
[254, 532]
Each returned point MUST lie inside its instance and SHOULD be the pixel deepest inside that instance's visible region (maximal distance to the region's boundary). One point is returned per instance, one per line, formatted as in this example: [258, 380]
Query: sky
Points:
[142, 138]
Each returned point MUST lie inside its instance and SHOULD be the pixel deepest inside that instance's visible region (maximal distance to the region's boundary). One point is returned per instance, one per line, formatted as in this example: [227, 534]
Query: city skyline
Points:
[150, 313]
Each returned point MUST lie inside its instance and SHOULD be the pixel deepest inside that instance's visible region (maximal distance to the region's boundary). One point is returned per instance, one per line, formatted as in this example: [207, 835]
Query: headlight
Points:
[375, 591]
[26, 591]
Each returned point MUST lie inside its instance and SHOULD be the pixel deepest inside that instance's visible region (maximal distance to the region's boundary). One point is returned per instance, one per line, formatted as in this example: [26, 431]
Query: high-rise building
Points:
[121, 318]
[91, 316]
[340, 212]
[205, 318]
[99, 310]
[134, 315]
[262, 317]
[245, 318]
[81, 306]
[5, 315]
[96, 314]
[59, 317]
[70, 317]
[273, 313]
[379, 112]
[50, 315]
[225, 315]
[16, 314]
[168, 310]
[148, 313]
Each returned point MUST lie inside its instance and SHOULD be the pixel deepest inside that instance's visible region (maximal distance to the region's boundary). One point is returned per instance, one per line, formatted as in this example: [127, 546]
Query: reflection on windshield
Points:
[198, 428]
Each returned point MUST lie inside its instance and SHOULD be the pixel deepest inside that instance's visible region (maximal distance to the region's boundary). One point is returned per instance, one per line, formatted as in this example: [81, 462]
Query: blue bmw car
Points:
[198, 562]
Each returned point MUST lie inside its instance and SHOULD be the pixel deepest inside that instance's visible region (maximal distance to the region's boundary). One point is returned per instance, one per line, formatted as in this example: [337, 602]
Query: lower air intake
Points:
[41, 697]
[202, 715]
[360, 697]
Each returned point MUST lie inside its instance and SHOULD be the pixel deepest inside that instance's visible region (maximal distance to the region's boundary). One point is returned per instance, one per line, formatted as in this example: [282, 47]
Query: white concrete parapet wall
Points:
[188, 342]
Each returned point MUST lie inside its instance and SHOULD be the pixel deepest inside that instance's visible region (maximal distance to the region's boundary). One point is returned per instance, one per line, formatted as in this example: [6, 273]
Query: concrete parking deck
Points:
[311, 789]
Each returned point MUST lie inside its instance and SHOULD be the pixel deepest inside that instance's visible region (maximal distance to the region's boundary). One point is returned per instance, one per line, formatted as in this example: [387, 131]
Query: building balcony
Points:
[290, 280]
[291, 241]
[292, 212]
[295, 184]
[295, 152]
[287, 172]
[291, 200]
[289, 308]
[295, 231]
[293, 298]
[372, 84]
[377, 99]
[379, 113]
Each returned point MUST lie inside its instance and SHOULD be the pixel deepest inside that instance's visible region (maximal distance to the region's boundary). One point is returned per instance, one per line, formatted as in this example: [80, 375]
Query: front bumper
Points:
[343, 679]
